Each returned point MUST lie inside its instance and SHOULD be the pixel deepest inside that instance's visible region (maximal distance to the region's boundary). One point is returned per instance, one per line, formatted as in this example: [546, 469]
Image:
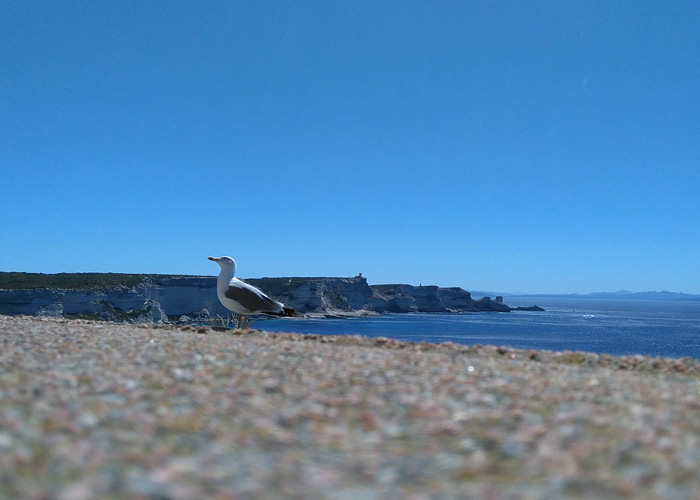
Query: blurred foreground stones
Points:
[103, 410]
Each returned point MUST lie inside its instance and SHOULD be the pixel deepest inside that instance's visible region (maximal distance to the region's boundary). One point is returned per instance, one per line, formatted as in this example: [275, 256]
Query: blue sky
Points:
[539, 146]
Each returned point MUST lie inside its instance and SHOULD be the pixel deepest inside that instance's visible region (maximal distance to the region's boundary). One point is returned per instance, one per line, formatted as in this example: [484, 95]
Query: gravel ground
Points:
[102, 410]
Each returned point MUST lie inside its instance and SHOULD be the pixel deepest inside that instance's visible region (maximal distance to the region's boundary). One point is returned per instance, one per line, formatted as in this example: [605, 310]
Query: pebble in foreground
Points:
[244, 299]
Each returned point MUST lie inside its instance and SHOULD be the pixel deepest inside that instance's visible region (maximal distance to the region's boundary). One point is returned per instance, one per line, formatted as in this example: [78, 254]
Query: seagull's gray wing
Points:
[251, 298]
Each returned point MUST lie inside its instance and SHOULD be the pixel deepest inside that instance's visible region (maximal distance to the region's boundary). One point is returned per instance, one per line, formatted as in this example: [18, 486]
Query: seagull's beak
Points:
[213, 258]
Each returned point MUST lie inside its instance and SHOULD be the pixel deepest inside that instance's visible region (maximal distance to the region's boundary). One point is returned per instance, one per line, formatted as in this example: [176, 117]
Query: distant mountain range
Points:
[619, 295]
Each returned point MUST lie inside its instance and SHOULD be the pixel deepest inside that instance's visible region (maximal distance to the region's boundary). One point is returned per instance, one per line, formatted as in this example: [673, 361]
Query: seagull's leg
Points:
[245, 321]
[239, 320]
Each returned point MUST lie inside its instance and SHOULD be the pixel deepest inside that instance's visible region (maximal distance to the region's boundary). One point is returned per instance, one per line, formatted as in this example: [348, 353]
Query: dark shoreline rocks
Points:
[527, 308]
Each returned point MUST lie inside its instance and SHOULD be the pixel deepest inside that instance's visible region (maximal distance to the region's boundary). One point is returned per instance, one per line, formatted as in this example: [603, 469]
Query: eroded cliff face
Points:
[409, 298]
[318, 295]
[154, 300]
[193, 298]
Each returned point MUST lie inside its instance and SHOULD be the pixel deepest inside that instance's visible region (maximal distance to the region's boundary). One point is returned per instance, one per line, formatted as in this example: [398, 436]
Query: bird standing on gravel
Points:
[244, 299]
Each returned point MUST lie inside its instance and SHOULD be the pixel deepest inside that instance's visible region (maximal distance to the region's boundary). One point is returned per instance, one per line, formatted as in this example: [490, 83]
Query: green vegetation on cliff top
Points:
[70, 281]
[106, 281]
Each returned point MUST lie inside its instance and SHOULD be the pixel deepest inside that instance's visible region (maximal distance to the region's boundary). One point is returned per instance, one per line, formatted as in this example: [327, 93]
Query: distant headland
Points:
[161, 298]
[619, 295]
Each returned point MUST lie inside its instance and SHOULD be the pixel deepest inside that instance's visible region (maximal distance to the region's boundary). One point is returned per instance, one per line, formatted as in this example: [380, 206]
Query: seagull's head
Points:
[226, 263]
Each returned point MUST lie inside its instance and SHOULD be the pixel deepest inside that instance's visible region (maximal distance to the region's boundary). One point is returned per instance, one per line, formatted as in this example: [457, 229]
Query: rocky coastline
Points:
[192, 299]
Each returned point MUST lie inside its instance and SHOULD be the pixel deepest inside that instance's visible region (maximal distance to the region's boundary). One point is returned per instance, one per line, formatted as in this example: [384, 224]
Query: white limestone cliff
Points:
[193, 298]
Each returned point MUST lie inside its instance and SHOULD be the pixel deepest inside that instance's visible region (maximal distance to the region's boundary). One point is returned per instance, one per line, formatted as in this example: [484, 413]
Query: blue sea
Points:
[618, 327]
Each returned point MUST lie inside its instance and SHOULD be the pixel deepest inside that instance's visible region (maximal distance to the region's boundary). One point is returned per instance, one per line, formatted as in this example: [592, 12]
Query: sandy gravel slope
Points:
[100, 410]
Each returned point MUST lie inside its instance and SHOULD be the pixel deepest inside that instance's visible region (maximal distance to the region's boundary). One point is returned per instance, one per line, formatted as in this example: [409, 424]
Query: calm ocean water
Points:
[656, 328]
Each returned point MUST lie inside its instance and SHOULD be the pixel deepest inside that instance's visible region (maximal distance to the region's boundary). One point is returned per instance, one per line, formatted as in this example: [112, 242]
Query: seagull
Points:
[242, 298]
